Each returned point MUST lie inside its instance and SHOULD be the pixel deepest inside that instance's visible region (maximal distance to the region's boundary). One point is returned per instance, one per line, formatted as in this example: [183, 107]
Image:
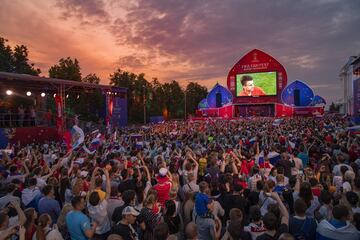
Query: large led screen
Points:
[256, 84]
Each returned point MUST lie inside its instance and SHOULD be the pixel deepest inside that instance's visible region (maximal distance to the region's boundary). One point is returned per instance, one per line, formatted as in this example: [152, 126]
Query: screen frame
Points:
[272, 95]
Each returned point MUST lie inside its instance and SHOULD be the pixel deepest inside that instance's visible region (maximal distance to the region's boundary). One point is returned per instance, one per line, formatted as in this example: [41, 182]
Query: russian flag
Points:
[277, 122]
[96, 141]
[292, 145]
[354, 130]
[274, 157]
[261, 158]
[252, 140]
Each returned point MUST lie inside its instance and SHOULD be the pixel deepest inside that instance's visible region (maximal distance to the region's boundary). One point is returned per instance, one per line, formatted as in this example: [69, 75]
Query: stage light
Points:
[78, 96]
[28, 93]
[67, 95]
[54, 95]
[9, 92]
[42, 94]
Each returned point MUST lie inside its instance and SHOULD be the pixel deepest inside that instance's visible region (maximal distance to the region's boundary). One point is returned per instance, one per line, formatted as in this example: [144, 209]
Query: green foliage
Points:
[67, 69]
[86, 104]
[91, 78]
[194, 94]
[174, 99]
[16, 60]
[5, 56]
[157, 97]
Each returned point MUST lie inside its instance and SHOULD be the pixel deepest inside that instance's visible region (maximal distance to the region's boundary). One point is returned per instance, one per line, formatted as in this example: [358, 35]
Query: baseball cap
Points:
[163, 172]
[130, 210]
[84, 174]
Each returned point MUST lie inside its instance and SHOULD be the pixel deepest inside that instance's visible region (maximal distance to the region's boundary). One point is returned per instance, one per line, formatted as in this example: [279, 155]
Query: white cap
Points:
[163, 172]
[130, 210]
[84, 174]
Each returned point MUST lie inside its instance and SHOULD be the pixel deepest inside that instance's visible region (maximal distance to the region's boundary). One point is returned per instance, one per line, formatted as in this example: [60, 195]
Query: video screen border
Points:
[271, 95]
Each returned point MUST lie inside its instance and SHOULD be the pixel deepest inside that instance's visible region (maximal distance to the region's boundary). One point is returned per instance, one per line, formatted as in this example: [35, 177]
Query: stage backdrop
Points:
[356, 89]
[269, 77]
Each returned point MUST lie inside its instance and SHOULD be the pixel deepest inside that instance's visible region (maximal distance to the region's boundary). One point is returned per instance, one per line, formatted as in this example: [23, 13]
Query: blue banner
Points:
[3, 138]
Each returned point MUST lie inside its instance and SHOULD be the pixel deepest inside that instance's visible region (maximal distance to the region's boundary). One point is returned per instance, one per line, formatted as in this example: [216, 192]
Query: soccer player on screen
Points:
[249, 89]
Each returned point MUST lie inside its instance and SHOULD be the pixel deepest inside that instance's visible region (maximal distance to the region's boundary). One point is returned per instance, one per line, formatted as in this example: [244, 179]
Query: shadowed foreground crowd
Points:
[247, 179]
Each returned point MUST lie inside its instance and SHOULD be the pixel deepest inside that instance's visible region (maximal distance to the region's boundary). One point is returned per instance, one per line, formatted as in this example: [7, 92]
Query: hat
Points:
[130, 210]
[84, 174]
[163, 172]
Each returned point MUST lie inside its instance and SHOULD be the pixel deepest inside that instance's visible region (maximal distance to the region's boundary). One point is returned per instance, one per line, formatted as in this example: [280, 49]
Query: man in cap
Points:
[125, 228]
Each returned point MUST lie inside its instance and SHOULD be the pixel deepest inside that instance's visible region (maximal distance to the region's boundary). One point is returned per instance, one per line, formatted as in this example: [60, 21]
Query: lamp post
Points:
[185, 104]
[144, 102]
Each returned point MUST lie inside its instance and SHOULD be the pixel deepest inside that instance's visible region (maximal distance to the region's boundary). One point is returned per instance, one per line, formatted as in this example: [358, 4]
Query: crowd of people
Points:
[249, 179]
[20, 117]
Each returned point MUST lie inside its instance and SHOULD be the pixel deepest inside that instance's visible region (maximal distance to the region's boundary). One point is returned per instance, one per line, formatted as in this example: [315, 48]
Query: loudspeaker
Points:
[297, 97]
[218, 99]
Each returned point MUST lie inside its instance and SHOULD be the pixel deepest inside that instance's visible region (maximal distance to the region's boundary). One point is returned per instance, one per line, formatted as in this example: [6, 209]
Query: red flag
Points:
[67, 139]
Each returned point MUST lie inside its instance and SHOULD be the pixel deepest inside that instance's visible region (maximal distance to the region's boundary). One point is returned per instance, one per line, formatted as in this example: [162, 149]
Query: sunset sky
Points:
[188, 40]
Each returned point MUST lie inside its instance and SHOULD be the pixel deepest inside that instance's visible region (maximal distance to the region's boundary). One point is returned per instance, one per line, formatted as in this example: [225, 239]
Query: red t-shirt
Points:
[256, 92]
[163, 189]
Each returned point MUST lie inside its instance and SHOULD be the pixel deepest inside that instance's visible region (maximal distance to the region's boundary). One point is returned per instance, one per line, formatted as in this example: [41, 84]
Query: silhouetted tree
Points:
[67, 69]
[91, 78]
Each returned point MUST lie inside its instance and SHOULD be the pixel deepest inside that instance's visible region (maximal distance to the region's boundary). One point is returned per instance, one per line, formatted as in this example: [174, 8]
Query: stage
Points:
[259, 110]
[257, 87]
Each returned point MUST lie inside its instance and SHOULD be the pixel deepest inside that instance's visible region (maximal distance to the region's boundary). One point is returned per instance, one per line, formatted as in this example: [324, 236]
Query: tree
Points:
[86, 103]
[156, 98]
[16, 61]
[174, 99]
[5, 56]
[159, 98]
[21, 61]
[66, 69]
[91, 78]
[128, 80]
[194, 94]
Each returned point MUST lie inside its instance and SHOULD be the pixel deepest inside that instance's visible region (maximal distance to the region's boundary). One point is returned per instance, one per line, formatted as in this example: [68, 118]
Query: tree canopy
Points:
[16, 60]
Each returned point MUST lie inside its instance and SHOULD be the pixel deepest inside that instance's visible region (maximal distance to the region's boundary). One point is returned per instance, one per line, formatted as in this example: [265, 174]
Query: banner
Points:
[59, 114]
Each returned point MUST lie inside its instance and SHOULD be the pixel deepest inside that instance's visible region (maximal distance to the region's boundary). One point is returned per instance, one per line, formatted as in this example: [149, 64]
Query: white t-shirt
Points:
[40, 182]
[50, 234]
[99, 215]
[29, 194]
[346, 187]
[264, 202]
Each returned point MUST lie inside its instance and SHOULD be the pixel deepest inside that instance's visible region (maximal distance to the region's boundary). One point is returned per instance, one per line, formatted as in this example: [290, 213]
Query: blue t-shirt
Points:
[201, 202]
[51, 207]
[304, 158]
[303, 227]
[77, 223]
[279, 189]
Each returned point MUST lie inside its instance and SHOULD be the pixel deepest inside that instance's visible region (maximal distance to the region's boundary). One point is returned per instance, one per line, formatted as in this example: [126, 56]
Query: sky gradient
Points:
[188, 40]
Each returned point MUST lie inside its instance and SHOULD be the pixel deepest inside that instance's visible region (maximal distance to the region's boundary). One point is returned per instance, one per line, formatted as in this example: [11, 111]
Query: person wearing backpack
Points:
[300, 226]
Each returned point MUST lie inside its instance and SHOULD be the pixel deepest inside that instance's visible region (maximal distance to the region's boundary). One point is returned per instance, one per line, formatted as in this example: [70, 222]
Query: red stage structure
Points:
[267, 79]
[115, 111]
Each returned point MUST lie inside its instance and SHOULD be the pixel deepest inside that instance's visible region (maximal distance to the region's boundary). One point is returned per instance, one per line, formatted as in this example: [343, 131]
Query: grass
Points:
[264, 80]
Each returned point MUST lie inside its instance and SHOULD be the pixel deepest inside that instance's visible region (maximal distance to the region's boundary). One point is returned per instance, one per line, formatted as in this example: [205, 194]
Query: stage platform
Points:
[27, 135]
[259, 110]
